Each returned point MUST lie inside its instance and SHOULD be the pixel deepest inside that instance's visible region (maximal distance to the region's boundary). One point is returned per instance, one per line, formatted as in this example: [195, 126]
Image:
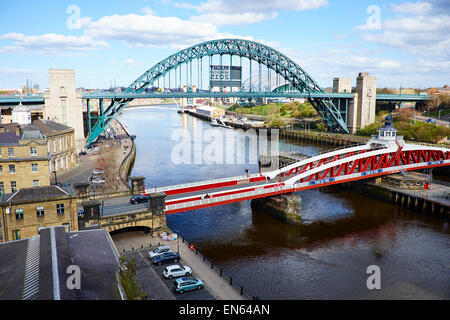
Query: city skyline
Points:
[401, 43]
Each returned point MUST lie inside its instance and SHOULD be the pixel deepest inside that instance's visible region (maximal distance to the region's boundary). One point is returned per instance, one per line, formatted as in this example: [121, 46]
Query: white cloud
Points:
[239, 6]
[419, 29]
[238, 12]
[340, 36]
[50, 43]
[220, 19]
[140, 31]
[132, 63]
[147, 10]
[412, 7]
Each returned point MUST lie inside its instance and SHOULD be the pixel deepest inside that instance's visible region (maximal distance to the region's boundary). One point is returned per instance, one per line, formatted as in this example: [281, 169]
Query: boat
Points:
[219, 123]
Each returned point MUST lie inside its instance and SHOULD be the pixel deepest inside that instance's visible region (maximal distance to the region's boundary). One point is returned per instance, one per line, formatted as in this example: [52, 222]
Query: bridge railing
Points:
[258, 191]
[200, 183]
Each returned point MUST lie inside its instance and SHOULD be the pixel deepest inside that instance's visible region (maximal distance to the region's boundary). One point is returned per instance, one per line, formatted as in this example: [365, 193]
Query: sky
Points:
[402, 43]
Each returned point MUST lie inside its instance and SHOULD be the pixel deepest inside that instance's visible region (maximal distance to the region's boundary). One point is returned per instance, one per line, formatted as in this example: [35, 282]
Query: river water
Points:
[325, 258]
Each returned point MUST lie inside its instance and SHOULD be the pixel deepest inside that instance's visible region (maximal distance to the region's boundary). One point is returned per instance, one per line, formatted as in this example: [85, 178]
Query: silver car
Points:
[160, 250]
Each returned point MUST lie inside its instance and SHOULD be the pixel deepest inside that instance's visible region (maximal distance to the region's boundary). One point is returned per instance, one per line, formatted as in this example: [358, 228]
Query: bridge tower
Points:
[63, 103]
[366, 88]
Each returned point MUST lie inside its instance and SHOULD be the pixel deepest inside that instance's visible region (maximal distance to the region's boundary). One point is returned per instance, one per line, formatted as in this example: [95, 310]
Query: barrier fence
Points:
[220, 271]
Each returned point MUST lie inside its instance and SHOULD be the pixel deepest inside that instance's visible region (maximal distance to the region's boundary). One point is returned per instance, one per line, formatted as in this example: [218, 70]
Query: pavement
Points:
[158, 287]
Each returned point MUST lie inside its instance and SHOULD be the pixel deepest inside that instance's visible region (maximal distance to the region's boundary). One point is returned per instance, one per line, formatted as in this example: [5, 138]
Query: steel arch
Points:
[252, 50]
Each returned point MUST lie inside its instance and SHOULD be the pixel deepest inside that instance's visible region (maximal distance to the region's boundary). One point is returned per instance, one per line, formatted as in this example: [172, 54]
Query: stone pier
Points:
[286, 207]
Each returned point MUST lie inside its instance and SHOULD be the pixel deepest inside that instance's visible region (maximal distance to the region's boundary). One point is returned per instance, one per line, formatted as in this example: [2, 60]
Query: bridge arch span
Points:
[254, 51]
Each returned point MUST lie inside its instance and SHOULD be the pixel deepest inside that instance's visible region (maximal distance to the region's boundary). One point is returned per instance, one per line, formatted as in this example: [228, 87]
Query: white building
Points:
[21, 114]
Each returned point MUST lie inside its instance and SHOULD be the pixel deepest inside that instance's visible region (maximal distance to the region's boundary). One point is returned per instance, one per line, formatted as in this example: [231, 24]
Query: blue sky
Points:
[406, 44]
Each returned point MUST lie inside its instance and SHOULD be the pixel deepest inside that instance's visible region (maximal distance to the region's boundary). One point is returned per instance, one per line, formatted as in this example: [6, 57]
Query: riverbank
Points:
[115, 157]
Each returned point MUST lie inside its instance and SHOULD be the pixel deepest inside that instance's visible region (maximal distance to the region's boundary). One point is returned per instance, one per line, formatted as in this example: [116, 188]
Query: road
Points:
[439, 122]
[122, 204]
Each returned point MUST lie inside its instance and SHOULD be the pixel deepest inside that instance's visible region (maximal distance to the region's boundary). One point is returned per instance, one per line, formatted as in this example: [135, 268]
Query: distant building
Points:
[21, 115]
[61, 144]
[27, 210]
[24, 158]
[437, 91]
[210, 111]
[37, 268]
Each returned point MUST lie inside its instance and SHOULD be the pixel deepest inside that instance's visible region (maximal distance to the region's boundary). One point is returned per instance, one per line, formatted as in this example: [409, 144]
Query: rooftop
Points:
[37, 193]
[48, 127]
[30, 132]
[28, 269]
[8, 138]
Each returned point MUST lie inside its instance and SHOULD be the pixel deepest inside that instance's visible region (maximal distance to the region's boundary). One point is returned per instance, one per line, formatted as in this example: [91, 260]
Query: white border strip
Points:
[56, 292]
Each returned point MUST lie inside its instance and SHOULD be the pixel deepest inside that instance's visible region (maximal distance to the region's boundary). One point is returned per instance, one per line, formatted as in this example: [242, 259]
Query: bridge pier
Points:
[137, 185]
[157, 205]
[286, 207]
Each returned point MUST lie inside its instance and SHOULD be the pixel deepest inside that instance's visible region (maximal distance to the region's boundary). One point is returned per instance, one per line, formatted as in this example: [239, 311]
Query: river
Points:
[326, 257]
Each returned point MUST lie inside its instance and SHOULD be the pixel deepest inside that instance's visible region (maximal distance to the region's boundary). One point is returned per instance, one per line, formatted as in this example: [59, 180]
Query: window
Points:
[16, 234]
[60, 144]
[11, 152]
[12, 169]
[54, 145]
[0, 153]
[1, 169]
[19, 214]
[65, 143]
[60, 208]
[40, 211]
[2, 187]
[33, 151]
[61, 160]
[13, 186]
[34, 167]
[36, 183]
[67, 226]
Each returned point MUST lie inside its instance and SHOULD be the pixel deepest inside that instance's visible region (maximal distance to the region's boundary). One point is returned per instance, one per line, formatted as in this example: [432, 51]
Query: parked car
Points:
[139, 199]
[98, 171]
[175, 271]
[431, 120]
[166, 257]
[97, 181]
[160, 250]
[185, 284]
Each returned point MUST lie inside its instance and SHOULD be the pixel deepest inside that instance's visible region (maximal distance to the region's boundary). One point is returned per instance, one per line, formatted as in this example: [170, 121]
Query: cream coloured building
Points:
[23, 158]
[61, 144]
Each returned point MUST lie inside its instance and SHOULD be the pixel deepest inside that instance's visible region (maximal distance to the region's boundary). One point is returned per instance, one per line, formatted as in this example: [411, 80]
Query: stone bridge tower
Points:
[63, 104]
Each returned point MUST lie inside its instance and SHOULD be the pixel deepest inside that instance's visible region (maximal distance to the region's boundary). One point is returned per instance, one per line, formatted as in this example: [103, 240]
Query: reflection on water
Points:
[326, 257]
